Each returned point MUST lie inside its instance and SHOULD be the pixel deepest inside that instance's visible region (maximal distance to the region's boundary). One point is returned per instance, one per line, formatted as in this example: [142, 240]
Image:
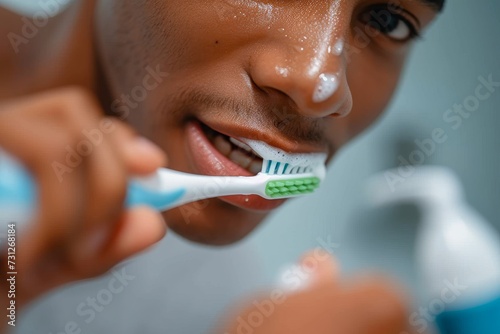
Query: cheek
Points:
[372, 85]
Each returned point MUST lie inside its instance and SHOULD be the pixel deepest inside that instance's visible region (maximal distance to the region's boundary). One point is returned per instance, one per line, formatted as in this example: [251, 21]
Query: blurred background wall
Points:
[444, 70]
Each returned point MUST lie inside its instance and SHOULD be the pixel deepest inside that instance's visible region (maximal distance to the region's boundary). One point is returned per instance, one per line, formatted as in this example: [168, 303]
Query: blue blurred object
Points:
[16, 184]
[483, 319]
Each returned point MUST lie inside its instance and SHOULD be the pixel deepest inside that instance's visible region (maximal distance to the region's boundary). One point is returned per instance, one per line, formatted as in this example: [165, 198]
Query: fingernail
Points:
[295, 278]
[147, 149]
[320, 264]
[146, 146]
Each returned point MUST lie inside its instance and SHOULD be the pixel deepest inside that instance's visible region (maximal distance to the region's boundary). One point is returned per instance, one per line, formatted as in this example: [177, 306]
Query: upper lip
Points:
[275, 139]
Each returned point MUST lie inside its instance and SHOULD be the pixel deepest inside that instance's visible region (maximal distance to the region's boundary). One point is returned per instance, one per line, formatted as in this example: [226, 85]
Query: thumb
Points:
[321, 267]
[140, 228]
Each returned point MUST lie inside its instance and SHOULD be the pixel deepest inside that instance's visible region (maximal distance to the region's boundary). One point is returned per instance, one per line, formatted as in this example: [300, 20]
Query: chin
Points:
[213, 222]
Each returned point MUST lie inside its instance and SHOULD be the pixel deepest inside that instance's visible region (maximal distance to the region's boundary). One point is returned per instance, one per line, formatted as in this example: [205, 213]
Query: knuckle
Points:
[50, 150]
[73, 103]
[122, 130]
[76, 94]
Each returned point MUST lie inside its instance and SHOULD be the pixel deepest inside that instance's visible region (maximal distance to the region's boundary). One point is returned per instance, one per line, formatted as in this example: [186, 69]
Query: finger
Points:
[321, 265]
[60, 204]
[55, 121]
[140, 155]
[105, 191]
[139, 229]
[107, 171]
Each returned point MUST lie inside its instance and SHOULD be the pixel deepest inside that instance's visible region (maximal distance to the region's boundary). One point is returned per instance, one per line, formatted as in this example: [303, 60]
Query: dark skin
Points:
[243, 68]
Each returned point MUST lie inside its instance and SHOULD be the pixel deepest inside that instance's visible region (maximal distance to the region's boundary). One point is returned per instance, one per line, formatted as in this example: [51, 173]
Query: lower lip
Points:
[209, 161]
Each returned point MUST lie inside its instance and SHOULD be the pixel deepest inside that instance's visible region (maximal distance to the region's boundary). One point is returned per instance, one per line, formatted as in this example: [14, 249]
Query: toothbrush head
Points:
[278, 162]
[289, 174]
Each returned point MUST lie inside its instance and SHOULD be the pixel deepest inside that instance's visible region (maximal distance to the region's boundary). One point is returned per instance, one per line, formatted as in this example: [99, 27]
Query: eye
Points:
[389, 22]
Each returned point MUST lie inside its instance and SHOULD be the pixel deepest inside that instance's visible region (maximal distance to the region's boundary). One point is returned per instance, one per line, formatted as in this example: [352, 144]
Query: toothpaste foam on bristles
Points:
[314, 162]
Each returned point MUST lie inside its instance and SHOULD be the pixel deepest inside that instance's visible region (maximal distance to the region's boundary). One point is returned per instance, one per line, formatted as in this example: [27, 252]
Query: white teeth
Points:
[240, 144]
[222, 145]
[243, 156]
[255, 167]
[240, 158]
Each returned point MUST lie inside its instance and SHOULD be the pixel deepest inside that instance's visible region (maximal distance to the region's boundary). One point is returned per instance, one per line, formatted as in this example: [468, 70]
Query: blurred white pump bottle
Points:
[454, 244]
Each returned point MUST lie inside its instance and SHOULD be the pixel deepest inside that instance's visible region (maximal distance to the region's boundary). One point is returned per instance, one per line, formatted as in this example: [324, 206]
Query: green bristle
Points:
[276, 189]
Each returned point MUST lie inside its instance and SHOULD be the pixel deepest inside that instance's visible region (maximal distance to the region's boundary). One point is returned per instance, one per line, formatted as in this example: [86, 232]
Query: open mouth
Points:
[214, 153]
[235, 150]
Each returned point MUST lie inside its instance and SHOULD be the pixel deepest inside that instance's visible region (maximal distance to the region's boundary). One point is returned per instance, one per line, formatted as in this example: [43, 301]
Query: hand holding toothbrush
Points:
[80, 162]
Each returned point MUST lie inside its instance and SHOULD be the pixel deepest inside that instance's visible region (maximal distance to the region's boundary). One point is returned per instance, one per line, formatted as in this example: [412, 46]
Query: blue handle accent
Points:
[17, 187]
[16, 184]
[138, 195]
[483, 319]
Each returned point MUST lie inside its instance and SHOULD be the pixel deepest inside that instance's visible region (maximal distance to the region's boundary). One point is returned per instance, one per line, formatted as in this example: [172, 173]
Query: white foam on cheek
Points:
[268, 152]
[327, 86]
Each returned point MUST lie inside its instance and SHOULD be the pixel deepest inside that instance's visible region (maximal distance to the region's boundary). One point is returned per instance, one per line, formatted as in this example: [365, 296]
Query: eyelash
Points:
[366, 17]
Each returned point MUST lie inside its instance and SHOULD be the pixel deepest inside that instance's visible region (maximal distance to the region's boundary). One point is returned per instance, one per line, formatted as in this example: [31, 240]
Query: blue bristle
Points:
[268, 166]
[277, 168]
[284, 169]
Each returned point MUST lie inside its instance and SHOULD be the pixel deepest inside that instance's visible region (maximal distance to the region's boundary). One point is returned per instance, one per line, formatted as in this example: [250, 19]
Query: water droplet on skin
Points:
[301, 40]
[299, 48]
[281, 29]
[282, 71]
[338, 48]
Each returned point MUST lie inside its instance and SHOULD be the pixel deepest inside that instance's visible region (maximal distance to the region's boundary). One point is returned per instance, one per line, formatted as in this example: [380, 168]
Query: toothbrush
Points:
[166, 189]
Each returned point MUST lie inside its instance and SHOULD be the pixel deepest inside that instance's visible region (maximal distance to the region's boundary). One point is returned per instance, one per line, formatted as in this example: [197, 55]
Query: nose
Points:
[306, 63]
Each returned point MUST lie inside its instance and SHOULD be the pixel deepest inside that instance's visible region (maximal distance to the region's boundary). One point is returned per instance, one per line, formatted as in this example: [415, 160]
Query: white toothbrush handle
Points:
[168, 188]
[177, 188]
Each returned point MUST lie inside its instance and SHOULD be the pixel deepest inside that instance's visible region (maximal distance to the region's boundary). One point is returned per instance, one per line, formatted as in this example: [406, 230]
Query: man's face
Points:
[189, 74]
